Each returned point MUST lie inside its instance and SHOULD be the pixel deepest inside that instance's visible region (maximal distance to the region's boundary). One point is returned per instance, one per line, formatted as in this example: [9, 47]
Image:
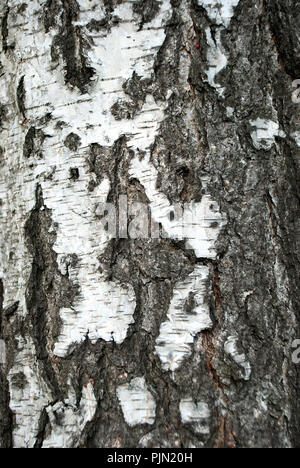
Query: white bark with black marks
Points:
[184, 337]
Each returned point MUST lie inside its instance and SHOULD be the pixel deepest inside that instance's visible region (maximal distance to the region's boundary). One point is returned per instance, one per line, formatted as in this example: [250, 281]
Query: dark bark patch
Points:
[55, 10]
[173, 149]
[19, 380]
[98, 25]
[22, 8]
[104, 24]
[74, 173]
[284, 20]
[124, 110]
[71, 8]
[21, 95]
[4, 30]
[99, 159]
[137, 88]
[110, 5]
[147, 10]
[6, 422]
[2, 114]
[72, 142]
[71, 44]
[34, 140]
[43, 425]
[166, 67]
[29, 142]
[51, 11]
[95, 25]
[1, 304]
[189, 306]
[43, 121]
[11, 310]
[225, 437]
[60, 125]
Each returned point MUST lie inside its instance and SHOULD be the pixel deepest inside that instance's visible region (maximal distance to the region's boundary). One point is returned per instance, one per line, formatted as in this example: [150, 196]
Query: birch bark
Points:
[160, 341]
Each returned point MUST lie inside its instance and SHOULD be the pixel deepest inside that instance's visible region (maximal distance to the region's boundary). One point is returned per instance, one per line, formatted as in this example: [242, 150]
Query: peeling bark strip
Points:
[170, 340]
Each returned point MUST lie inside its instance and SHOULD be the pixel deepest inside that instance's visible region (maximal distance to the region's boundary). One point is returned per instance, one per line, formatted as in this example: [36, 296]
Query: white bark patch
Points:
[282, 282]
[137, 403]
[220, 11]
[28, 395]
[103, 309]
[188, 315]
[229, 111]
[239, 358]
[263, 136]
[17, 199]
[196, 414]
[114, 56]
[216, 59]
[200, 223]
[67, 421]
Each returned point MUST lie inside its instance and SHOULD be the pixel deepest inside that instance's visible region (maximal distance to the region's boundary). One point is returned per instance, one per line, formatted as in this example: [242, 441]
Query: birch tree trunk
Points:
[149, 340]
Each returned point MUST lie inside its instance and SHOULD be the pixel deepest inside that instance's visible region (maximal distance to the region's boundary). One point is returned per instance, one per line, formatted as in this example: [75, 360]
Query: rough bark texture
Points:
[149, 342]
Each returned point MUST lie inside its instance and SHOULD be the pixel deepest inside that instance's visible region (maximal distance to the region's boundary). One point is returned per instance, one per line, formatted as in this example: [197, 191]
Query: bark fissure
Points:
[4, 30]
[21, 95]
[70, 43]
[284, 25]
[47, 291]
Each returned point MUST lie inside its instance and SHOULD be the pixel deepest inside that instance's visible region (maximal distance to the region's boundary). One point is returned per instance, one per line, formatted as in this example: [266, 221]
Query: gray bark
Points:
[166, 102]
